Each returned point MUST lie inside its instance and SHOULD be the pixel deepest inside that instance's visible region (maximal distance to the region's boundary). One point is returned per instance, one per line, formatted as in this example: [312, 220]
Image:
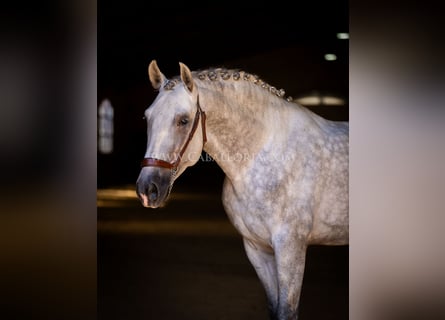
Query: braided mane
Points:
[215, 74]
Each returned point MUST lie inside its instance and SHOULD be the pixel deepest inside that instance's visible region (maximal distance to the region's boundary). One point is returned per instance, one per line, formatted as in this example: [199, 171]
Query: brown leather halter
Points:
[153, 162]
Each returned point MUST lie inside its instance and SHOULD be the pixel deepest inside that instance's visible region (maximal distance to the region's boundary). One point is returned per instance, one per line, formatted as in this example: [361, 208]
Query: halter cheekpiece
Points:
[153, 162]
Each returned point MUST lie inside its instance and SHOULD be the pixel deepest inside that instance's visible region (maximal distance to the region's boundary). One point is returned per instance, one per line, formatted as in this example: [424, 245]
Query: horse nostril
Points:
[152, 192]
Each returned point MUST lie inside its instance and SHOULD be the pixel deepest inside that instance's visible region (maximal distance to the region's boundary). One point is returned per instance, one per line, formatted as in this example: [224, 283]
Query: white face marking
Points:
[165, 134]
[169, 127]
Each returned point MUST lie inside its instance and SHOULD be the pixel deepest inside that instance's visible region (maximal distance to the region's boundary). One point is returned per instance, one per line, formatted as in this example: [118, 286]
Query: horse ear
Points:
[157, 78]
[186, 76]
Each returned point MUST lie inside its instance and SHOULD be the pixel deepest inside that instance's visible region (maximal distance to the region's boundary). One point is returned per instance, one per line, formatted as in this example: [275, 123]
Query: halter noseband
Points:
[153, 162]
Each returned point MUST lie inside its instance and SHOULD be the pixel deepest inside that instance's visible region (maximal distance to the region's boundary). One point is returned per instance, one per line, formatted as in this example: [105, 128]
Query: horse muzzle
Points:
[153, 186]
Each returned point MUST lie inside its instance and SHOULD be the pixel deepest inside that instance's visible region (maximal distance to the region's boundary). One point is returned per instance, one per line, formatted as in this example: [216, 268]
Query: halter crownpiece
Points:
[153, 162]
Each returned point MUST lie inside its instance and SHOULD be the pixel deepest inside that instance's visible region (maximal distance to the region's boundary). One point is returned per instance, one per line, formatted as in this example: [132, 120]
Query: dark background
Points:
[189, 273]
[284, 45]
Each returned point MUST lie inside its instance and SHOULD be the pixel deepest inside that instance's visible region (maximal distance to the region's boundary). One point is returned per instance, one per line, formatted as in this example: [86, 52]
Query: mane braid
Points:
[224, 74]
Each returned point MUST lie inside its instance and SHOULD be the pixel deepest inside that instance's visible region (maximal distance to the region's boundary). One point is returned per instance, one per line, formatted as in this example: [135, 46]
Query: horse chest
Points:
[249, 214]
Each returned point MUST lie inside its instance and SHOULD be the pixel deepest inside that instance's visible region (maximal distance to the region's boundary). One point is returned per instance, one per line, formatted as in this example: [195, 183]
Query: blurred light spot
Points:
[106, 117]
[116, 193]
[183, 227]
[332, 101]
[316, 100]
[342, 35]
[309, 101]
[126, 196]
[330, 57]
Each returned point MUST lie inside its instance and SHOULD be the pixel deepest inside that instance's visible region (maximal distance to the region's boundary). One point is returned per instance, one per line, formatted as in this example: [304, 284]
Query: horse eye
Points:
[183, 122]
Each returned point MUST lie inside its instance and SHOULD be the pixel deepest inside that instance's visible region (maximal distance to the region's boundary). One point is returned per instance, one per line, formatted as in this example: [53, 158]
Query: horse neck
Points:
[238, 126]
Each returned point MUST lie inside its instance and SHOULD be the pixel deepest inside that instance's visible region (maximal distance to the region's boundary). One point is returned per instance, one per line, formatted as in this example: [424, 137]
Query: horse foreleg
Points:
[265, 267]
[290, 258]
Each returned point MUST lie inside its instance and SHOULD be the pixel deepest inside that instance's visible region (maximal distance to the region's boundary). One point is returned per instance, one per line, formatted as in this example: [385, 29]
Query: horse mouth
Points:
[153, 189]
[151, 200]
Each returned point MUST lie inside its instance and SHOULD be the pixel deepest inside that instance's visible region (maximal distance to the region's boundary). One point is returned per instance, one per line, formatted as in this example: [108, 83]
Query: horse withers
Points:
[286, 168]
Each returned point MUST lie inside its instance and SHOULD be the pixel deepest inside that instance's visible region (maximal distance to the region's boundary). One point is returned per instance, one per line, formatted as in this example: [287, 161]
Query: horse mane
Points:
[224, 74]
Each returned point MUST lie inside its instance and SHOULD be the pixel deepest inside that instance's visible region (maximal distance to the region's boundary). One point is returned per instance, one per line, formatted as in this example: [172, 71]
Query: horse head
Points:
[173, 141]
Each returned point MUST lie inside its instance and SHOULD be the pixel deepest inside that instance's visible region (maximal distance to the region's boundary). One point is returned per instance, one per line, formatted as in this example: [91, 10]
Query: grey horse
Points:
[286, 168]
